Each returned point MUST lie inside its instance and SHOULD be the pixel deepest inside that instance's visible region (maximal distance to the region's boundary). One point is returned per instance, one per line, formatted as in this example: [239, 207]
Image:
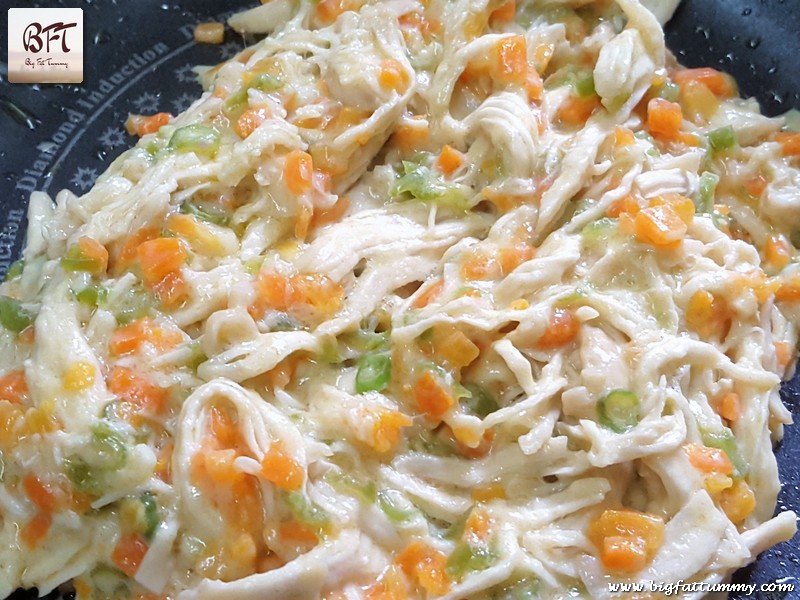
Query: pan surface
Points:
[140, 61]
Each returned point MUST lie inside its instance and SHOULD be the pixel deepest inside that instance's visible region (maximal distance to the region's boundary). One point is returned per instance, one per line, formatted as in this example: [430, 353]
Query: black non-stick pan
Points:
[138, 58]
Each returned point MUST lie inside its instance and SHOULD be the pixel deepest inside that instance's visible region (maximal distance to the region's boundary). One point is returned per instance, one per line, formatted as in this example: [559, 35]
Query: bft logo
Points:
[32, 37]
[45, 45]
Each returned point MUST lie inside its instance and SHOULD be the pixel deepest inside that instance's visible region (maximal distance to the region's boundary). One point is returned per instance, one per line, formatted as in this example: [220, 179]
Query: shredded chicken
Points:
[447, 299]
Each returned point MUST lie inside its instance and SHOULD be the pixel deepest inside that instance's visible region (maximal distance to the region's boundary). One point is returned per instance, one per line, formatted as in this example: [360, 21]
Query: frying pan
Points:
[138, 58]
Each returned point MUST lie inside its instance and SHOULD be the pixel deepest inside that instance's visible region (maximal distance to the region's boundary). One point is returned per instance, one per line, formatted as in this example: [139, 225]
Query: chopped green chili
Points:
[618, 410]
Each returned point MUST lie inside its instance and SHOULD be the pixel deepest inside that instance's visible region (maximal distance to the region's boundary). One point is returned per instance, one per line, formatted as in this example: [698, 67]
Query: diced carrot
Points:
[625, 554]
[504, 14]
[689, 139]
[449, 160]
[783, 354]
[576, 111]
[427, 25]
[480, 265]
[325, 120]
[683, 206]
[217, 466]
[223, 427]
[95, 252]
[627, 204]
[777, 251]
[386, 429]
[627, 223]
[39, 493]
[475, 71]
[707, 315]
[160, 257]
[36, 529]
[790, 142]
[716, 483]
[700, 313]
[664, 119]
[392, 76]
[209, 33]
[172, 291]
[659, 226]
[562, 329]
[623, 137]
[468, 438]
[280, 468]
[314, 292]
[428, 294]
[511, 67]
[503, 201]
[542, 55]
[720, 84]
[708, 460]
[411, 137]
[297, 533]
[130, 338]
[756, 185]
[303, 221]
[628, 524]
[487, 493]
[426, 565]
[14, 387]
[432, 398]
[298, 169]
[698, 102]
[142, 125]
[128, 553]
[390, 585]
[789, 290]
[249, 121]
[479, 524]
[280, 376]
[728, 406]
[133, 335]
[512, 257]
[534, 86]
[128, 252]
[185, 226]
[454, 346]
[273, 290]
[136, 389]
[243, 549]
[327, 11]
[321, 180]
[738, 501]
[334, 214]
[511, 63]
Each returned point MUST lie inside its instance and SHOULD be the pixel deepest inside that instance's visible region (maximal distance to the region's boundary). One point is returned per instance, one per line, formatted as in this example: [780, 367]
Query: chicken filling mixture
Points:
[421, 299]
